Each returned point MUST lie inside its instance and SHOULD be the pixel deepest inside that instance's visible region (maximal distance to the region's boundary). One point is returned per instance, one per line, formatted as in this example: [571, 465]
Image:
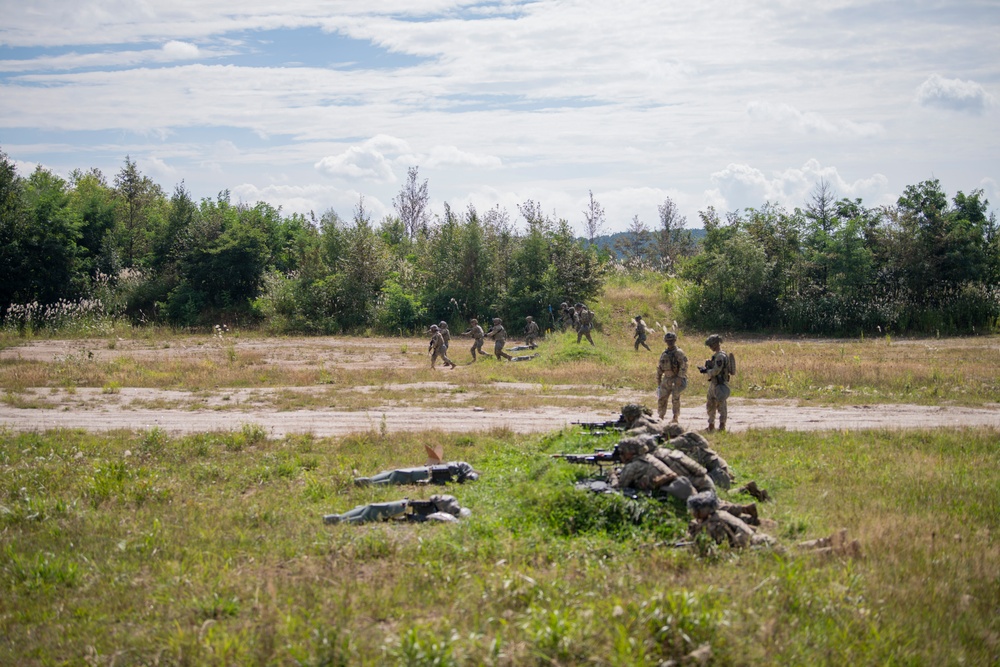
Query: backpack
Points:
[730, 363]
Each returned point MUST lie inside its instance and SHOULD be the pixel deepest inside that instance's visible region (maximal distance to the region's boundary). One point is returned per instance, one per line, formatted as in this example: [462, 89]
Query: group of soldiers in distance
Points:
[579, 317]
[671, 371]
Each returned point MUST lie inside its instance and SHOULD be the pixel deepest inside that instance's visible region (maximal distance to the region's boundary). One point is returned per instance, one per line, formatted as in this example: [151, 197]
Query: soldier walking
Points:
[437, 347]
[499, 336]
[585, 322]
[671, 377]
[477, 334]
[640, 333]
[717, 369]
[530, 332]
[445, 334]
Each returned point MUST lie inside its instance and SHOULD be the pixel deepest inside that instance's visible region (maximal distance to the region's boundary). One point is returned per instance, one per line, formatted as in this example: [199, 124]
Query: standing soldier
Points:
[437, 347]
[640, 333]
[499, 335]
[717, 369]
[530, 332]
[585, 322]
[477, 334]
[568, 318]
[445, 334]
[671, 377]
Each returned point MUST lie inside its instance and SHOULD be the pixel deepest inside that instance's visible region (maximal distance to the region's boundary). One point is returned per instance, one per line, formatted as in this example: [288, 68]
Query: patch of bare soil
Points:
[96, 411]
[220, 410]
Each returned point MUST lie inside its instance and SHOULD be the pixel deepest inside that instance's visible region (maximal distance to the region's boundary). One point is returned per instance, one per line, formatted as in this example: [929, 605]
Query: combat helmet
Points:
[713, 340]
[669, 336]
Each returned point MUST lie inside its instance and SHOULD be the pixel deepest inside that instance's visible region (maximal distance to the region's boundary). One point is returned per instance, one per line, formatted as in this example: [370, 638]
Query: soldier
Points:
[453, 471]
[437, 508]
[640, 333]
[585, 322]
[437, 347]
[719, 522]
[644, 472]
[568, 317]
[499, 336]
[445, 334]
[694, 445]
[717, 369]
[477, 334]
[671, 377]
[530, 332]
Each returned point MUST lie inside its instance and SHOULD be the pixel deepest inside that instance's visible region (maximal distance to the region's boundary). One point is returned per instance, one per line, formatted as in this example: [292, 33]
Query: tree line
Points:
[127, 249]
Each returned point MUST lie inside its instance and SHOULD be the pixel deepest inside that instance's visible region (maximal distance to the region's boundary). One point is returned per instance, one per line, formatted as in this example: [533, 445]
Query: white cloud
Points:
[452, 156]
[740, 186]
[175, 50]
[157, 168]
[809, 122]
[953, 94]
[371, 161]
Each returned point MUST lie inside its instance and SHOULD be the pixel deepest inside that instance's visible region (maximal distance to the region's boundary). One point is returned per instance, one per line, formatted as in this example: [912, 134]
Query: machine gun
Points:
[599, 458]
[615, 425]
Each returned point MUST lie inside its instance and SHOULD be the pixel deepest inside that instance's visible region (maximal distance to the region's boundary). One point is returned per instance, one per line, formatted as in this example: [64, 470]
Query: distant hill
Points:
[607, 241]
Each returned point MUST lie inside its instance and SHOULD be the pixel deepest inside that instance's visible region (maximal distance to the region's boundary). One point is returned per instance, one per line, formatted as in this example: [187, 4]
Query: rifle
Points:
[615, 425]
[600, 458]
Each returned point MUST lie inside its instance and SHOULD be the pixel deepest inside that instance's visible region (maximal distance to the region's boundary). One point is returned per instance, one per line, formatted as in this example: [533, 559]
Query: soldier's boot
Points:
[711, 427]
[722, 424]
[750, 508]
[677, 415]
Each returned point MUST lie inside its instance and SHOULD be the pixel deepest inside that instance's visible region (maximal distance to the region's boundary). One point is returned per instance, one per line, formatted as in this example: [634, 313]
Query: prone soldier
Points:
[437, 508]
[453, 471]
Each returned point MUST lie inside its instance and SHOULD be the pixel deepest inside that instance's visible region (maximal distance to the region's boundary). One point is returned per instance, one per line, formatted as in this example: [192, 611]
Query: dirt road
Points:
[108, 414]
[386, 407]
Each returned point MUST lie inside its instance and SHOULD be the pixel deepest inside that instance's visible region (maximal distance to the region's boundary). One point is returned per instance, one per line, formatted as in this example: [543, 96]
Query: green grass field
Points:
[141, 549]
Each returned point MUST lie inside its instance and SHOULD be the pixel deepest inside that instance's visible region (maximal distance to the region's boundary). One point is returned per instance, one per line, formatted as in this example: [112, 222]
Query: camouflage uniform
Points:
[644, 472]
[695, 446]
[640, 333]
[671, 377]
[499, 335]
[453, 471]
[585, 323]
[720, 522]
[568, 318]
[530, 332]
[477, 334]
[445, 334]
[437, 508]
[717, 369]
[437, 347]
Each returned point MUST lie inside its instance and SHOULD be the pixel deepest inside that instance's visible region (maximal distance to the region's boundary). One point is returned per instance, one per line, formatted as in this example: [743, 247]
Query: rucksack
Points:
[730, 363]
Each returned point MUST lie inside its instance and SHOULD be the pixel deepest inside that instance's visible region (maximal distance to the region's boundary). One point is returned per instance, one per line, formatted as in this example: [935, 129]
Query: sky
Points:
[312, 105]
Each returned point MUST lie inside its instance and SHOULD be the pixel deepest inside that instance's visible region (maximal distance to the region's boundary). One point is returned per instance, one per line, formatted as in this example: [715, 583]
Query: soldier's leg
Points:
[434, 356]
[473, 350]
[448, 361]
[663, 400]
[366, 513]
[710, 407]
[676, 406]
[501, 353]
[723, 415]
[637, 341]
